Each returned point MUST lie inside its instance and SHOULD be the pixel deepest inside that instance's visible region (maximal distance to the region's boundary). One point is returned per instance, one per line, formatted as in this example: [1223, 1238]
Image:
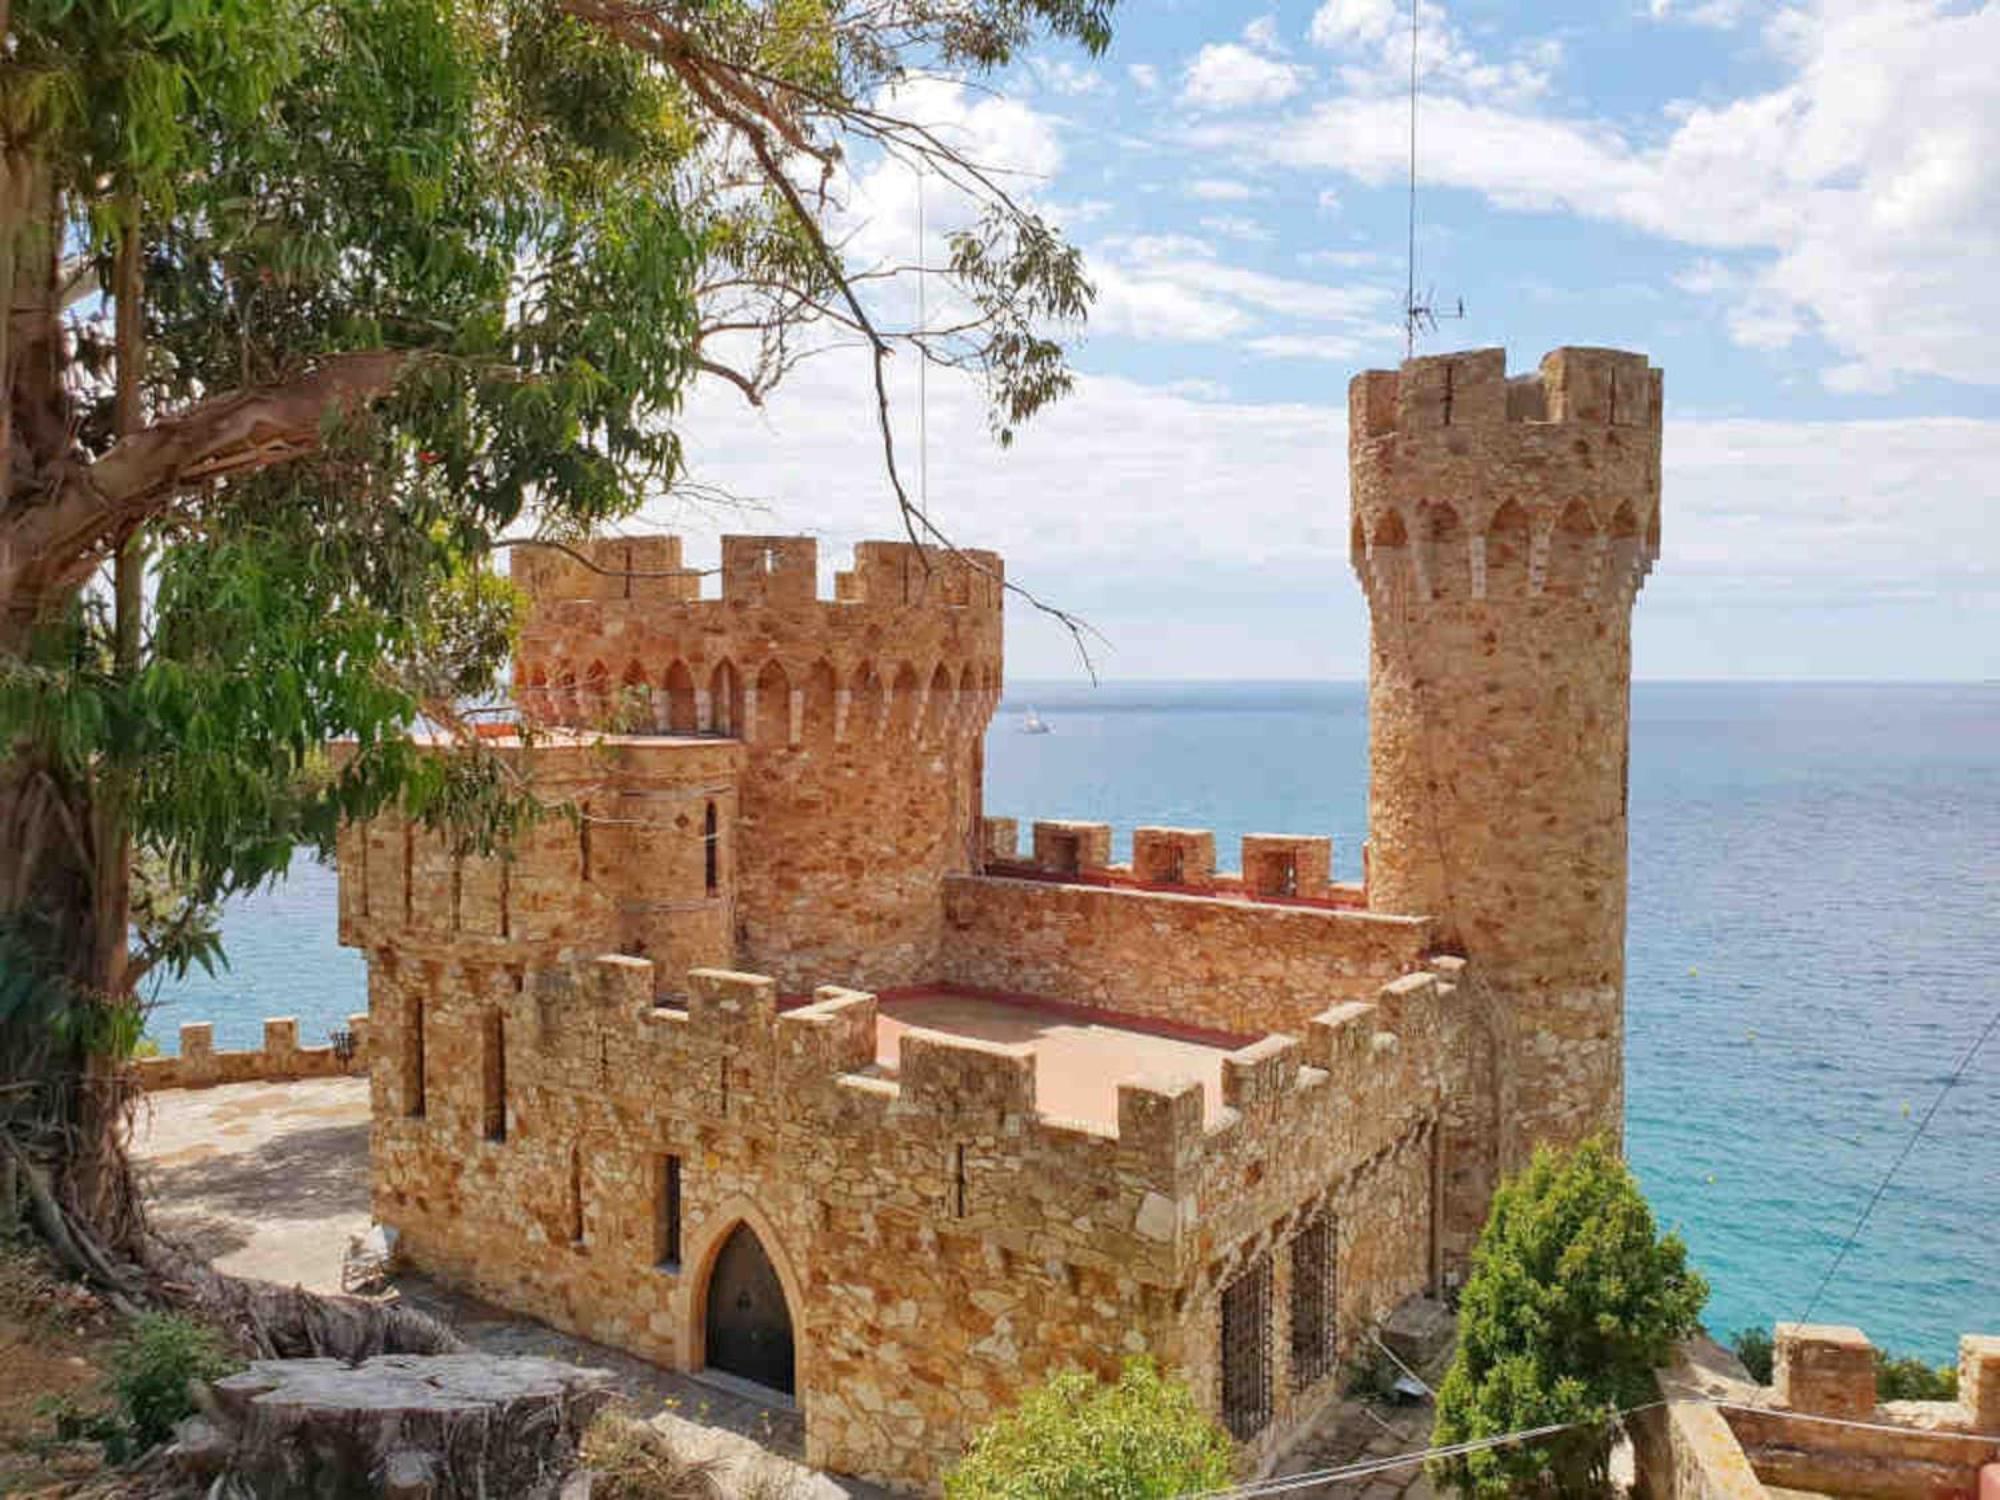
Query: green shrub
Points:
[1753, 1346]
[1075, 1438]
[151, 1368]
[1574, 1299]
[1910, 1379]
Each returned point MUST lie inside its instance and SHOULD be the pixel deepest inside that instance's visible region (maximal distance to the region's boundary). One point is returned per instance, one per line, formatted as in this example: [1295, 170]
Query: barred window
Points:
[1246, 1351]
[1315, 1300]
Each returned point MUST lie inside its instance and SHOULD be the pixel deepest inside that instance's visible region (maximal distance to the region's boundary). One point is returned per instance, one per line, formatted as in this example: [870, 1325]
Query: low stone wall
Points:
[1686, 1450]
[1818, 1426]
[1198, 960]
[281, 1058]
[1913, 1449]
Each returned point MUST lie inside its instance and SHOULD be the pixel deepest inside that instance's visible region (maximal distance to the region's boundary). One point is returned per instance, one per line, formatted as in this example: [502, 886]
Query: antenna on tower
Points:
[923, 382]
[1418, 314]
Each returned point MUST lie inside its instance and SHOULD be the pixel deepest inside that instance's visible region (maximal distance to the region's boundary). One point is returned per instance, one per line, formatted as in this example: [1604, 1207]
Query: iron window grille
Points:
[1246, 1351]
[1315, 1301]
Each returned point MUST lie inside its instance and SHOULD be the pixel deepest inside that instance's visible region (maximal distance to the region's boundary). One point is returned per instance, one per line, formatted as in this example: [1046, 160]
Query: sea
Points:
[1813, 953]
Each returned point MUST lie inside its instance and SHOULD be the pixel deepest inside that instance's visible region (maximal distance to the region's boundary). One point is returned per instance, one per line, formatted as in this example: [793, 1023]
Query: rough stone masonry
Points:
[745, 1063]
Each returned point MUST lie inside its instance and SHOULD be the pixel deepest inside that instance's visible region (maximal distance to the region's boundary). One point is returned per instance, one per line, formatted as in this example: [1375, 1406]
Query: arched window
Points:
[711, 850]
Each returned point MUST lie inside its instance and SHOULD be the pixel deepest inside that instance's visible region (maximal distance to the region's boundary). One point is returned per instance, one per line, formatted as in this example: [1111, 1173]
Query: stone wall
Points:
[1930, 1448]
[1686, 1450]
[619, 862]
[943, 1243]
[860, 718]
[1501, 529]
[1818, 1427]
[1233, 965]
[280, 1059]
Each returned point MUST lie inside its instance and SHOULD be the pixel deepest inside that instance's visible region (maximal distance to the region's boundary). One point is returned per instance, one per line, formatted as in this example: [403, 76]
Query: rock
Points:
[415, 1427]
[200, 1450]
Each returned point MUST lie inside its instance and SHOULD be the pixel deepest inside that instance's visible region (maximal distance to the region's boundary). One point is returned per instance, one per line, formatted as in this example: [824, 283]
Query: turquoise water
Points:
[1815, 935]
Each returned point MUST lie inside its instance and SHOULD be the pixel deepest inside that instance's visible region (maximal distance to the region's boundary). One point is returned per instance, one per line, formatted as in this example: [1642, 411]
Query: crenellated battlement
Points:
[1277, 867]
[907, 648]
[1367, 1073]
[1471, 486]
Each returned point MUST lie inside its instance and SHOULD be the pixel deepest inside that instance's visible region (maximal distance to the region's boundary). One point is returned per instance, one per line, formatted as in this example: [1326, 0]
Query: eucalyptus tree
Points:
[313, 303]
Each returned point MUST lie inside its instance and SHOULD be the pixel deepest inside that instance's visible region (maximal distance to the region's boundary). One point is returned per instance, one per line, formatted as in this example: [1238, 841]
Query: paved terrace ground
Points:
[1081, 1053]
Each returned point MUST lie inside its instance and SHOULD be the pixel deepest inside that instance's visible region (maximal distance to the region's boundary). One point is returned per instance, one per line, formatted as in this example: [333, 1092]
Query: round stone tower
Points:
[1501, 529]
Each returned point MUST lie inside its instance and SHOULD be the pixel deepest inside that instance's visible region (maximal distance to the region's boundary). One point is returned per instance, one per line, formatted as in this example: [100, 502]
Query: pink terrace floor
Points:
[1081, 1053]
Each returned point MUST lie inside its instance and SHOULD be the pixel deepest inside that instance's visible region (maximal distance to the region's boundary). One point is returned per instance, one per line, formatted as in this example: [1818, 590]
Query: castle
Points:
[779, 1059]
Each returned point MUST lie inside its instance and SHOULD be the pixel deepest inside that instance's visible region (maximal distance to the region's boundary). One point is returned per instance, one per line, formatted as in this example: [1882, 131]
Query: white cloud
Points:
[1227, 76]
[1145, 75]
[1336, 347]
[1061, 76]
[1342, 23]
[1237, 227]
[1203, 533]
[1219, 190]
[1863, 187]
[1262, 34]
[1718, 15]
[1372, 39]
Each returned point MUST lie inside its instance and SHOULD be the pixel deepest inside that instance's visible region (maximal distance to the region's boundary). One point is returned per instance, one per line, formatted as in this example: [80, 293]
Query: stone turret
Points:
[1501, 529]
[860, 718]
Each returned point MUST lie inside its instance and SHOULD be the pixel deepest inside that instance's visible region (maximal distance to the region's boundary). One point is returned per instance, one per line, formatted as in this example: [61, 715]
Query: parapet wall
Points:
[1211, 960]
[280, 1059]
[1275, 867]
[908, 648]
[1469, 485]
[1819, 1426]
[628, 857]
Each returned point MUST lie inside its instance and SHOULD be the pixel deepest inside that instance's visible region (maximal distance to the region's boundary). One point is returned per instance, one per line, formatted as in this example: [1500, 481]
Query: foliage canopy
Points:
[1074, 1437]
[316, 304]
[1573, 1301]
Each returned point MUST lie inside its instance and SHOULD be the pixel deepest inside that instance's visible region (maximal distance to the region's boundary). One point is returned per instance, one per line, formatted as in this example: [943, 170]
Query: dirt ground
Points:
[54, 1341]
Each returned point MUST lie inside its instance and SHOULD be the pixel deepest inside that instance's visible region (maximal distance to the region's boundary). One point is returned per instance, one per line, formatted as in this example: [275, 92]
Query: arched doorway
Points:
[748, 1326]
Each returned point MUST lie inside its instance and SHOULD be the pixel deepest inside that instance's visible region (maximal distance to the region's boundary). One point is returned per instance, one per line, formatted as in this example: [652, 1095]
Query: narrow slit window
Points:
[1314, 1301]
[576, 1196]
[413, 1059]
[958, 1182]
[1246, 1352]
[668, 1247]
[711, 850]
[493, 1078]
[583, 842]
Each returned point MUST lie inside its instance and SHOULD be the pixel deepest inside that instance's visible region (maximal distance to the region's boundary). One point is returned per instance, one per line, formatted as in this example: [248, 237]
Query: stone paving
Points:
[1356, 1431]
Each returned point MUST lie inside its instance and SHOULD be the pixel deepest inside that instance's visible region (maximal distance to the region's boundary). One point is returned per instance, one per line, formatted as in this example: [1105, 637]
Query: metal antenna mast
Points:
[1410, 285]
[1417, 315]
[923, 373]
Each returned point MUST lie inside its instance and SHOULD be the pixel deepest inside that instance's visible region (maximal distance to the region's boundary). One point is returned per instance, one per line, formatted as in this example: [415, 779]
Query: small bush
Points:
[1753, 1346]
[151, 1369]
[1076, 1438]
[1910, 1379]
[1573, 1301]
[631, 1461]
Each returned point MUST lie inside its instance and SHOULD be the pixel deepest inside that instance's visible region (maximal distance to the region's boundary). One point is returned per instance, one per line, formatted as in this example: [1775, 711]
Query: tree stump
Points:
[416, 1427]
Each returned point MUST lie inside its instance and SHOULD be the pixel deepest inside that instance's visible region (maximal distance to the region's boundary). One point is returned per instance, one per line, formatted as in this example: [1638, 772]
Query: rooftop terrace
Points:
[1082, 1052]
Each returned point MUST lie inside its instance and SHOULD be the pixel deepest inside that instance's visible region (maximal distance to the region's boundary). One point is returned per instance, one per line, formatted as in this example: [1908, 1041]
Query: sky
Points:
[1794, 209]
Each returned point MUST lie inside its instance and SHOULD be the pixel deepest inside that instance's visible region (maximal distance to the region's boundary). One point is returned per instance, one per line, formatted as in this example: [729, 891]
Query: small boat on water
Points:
[1034, 723]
